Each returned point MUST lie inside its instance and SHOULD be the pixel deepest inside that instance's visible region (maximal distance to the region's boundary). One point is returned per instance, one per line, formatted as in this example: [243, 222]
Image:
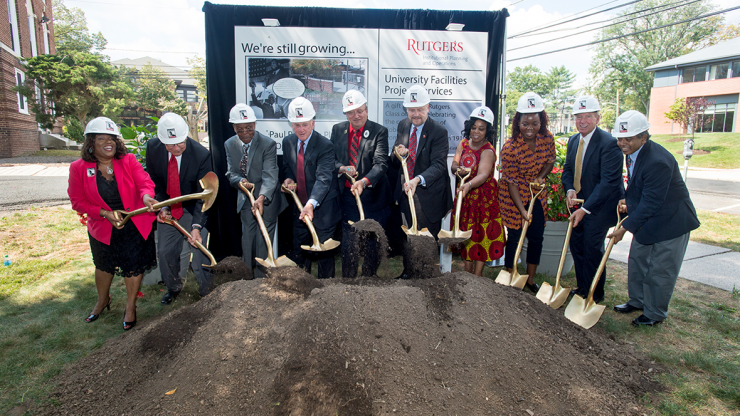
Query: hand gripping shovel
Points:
[357, 197]
[555, 296]
[270, 261]
[585, 312]
[413, 230]
[456, 234]
[316, 246]
[209, 183]
[173, 222]
[514, 278]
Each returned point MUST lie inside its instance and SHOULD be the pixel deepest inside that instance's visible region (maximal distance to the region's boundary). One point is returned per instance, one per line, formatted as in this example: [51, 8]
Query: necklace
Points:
[109, 169]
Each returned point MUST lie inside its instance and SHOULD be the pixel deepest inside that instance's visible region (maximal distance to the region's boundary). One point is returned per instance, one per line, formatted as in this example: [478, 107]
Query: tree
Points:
[561, 80]
[154, 90]
[621, 62]
[71, 33]
[724, 33]
[80, 85]
[527, 79]
[200, 111]
[689, 112]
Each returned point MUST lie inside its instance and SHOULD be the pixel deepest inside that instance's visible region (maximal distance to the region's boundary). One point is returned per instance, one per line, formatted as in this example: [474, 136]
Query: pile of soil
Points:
[421, 257]
[455, 344]
[230, 269]
[370, 229]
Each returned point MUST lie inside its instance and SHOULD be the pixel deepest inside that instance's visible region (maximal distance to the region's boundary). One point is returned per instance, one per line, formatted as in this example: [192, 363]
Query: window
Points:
[46, 38]
[181, 94]
[719, 71]
[13, 21]
[695, 74]
[736, 69]
[20, 79]
[718, 118]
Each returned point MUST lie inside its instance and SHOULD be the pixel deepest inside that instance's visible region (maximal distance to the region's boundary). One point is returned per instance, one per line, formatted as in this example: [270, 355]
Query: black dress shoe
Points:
[577, 292]
[598, 300]
[643, 320]
[169, 297]
[534, 287]
[625, 308]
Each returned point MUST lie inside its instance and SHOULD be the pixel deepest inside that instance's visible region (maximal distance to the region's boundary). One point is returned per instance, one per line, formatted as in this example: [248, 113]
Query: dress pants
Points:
[169, 247]
[587, 248]
[652, 273]
[350, 254]
[253, 243]
[304, 258]
[422, 221]
[535, 236]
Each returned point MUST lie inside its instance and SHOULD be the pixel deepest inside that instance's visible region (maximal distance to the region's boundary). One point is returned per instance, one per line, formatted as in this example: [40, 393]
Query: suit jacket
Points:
[372, 162]
[658, 202]
[262, 171]
[195, 163]
[601, 175]
[133, 184]
[320, 175]
[431, 163]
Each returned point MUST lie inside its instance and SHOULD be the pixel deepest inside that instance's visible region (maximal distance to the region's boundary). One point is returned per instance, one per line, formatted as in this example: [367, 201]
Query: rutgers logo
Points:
[413, 97]
[109, 126]
[530, 103]
[623, 127]
[582, 105]
[298, 113]
[482, 113]
[243, 114]
[349, 101]
[171, 134]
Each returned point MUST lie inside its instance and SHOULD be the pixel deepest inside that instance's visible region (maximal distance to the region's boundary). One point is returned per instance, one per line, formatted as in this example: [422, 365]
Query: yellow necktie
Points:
[579, 167]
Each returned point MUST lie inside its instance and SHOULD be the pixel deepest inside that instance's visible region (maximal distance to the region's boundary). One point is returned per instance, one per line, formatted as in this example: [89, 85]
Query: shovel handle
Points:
[602, 265]
[412, 206]
[261, 222]
[200, 246]
[306, 220]
[357, 197]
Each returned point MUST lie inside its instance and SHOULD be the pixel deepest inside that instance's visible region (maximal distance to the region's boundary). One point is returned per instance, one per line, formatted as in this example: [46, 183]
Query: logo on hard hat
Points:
[109, 126]
[171, 134]
[413, 97]
[298, 113]
[349, 101]
[530, 103]
[243, 114]
[623, 126]
[582, 105]
[482, 112]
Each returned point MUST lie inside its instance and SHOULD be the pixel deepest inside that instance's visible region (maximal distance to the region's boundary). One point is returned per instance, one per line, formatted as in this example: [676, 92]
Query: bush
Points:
[73, 130]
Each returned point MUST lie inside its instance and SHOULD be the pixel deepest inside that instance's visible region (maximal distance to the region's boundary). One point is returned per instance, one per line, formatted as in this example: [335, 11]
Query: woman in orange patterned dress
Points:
[479, 211]
[527, 157]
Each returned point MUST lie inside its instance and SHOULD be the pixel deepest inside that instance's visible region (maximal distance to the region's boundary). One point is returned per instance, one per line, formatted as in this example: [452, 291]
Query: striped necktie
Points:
[412, 153]
[245, 159]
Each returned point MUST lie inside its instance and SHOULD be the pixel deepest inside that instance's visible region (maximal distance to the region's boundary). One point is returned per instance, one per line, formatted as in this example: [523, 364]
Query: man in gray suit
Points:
[252, 160]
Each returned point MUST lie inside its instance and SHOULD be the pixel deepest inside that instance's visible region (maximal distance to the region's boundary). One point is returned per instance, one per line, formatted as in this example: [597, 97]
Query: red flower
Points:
[83, 218]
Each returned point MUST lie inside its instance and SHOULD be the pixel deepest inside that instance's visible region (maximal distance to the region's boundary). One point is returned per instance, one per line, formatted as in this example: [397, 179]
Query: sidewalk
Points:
[35, 170]
[713, 266]
[730, 175]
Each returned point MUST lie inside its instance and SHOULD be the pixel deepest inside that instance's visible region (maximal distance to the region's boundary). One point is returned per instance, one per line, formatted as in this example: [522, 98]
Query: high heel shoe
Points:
[128, 325]
[93, 317]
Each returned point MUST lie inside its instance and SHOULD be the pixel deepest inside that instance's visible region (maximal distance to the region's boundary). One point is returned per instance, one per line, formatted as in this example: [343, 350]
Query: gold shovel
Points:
[329, 244]
[173, 222]
[555, 296]
[413, 230]
[456, 233]
[585, 312]
[209, 183]
[270, 261]
[513, 278]
[357, 197]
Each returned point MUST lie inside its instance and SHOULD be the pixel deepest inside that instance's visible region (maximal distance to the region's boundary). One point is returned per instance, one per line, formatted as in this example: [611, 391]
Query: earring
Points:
[89, 150]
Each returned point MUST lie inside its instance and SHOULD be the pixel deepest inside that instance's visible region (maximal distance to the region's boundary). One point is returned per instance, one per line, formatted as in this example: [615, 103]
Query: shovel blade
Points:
[445, 234]
[503, 278]
[327, 245]
[284, 261]
[559, 297]
[545, 293]
[464, 234]
[584, 313]
[519, 281]
[265, 262]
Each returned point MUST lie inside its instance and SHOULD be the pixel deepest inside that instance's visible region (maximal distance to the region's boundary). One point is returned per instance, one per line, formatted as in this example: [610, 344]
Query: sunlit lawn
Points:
[723, 148]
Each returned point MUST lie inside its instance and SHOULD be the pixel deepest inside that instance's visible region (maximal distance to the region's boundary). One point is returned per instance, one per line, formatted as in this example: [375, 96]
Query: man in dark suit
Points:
[251, 159]
[592, 172]
[426, 143]
[661, 217]
[308, 169]
[361, 150]
[176, 163]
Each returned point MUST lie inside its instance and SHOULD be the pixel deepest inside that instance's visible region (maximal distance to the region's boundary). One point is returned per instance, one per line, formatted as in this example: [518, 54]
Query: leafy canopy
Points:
[71, 33]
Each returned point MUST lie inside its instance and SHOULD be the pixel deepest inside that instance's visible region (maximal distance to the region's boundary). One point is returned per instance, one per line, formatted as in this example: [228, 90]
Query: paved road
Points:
[24, 191]
[715, 195]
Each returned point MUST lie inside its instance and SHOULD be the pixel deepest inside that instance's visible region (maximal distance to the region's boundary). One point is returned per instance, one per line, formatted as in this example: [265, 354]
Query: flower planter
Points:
[552, 247]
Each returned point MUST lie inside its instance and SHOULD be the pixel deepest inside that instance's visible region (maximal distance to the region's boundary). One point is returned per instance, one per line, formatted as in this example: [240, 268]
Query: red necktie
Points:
[354, 147]
[173, 187]
[301, 176]
[412, 153]
[629, 164]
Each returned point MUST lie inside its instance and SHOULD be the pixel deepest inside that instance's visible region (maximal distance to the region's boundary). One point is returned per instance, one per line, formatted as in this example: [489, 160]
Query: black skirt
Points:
[128, 254]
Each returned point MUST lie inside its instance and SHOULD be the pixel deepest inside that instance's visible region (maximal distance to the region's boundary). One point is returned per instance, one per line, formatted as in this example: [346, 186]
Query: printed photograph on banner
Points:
[272, 83]
[450, 114]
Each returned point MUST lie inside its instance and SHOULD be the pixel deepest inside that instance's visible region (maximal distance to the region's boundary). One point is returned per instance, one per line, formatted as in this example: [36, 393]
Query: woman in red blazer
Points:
[107, 178]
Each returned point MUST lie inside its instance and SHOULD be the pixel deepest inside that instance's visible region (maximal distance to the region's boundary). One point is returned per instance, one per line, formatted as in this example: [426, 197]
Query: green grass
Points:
[724, 149]
[718, 229]
[56, 153]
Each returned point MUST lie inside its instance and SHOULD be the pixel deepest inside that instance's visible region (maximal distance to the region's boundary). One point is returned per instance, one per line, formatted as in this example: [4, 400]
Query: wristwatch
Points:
[197, 227]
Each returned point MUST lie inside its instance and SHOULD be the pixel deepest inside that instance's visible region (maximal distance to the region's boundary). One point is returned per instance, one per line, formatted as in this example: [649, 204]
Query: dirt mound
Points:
[230, 269]
[455, 344]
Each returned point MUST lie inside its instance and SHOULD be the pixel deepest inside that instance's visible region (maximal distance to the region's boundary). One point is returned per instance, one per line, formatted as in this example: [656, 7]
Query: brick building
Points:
[26, 30]
[712, 72]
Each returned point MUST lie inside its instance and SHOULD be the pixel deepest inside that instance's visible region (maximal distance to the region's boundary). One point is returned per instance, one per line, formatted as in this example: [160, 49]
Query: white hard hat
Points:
[300, 110]
[416, 96]
[102, 125]
[630, 123]
[242, 113]
[530, 103]
[484, 113]
[586, 104]
[172, 129]
[352, 99]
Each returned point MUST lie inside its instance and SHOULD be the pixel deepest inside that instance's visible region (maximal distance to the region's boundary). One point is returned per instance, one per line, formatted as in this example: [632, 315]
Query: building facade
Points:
[713, 73]
[26, 30]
